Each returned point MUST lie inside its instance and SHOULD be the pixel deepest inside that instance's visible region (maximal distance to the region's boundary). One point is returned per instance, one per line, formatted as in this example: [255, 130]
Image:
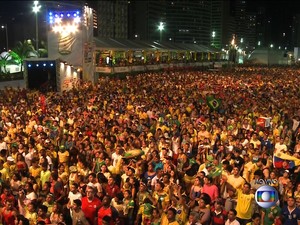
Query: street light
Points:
[6, 35]
[36, 9]
[161, 27]
[213, 36]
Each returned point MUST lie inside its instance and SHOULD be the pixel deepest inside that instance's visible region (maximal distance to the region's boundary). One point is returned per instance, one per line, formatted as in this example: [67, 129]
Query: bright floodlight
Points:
[36, 6]
[213, 34]
[161, 26]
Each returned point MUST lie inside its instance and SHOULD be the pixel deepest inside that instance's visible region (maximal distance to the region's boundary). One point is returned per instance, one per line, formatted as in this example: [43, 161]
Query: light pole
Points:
[161, 27]
[6, 35]
[271, 46]
[213, 36]
[36, 9]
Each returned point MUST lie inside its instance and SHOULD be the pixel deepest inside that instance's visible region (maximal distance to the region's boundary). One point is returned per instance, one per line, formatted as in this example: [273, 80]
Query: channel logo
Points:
[266, 196]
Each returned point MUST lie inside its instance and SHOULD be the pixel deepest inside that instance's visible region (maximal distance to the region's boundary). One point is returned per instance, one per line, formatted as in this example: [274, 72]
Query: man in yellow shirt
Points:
[4, 172]
[244, 206]
[169, 218]
[235, 180]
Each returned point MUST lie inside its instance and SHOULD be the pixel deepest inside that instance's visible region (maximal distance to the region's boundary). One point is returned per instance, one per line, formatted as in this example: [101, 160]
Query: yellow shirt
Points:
[45, 176]
[32, 217]
[237, 183]
[63, 156]
[247, 170]
[35, 172]
[252, 171]
[5, 175]
[163, 197]
[244, 205]
[165, 221]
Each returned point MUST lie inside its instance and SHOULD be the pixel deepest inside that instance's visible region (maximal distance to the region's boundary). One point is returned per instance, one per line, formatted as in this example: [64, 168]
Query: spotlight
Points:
[44, 64]
[51, 64]
[37, 65]
[29, 65]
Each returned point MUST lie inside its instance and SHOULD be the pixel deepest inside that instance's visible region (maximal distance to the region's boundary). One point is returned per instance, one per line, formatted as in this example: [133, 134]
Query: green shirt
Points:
[275, 211]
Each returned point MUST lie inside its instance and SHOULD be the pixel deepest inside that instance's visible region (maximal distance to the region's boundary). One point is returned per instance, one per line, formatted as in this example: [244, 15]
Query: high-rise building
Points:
[222, 23]
[112, 19]
[240, 17]
[249, 42]
[261, 27]
[296, 31]
[185, 21]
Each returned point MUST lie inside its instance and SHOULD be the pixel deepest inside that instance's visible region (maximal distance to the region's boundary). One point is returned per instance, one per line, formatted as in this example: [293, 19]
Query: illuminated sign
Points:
[65, 23]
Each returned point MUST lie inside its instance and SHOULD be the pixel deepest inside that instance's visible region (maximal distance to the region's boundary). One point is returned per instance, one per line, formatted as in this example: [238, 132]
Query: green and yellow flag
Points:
[213, 102]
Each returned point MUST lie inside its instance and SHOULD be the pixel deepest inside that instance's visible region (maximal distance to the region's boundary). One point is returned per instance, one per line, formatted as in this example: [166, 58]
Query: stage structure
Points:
[70, 39]
[50, 75]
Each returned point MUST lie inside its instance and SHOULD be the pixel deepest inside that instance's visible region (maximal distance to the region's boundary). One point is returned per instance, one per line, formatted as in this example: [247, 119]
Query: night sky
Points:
[14, 13]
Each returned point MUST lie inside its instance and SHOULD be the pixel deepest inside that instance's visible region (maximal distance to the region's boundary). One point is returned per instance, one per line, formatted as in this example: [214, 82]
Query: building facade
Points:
[112, 19]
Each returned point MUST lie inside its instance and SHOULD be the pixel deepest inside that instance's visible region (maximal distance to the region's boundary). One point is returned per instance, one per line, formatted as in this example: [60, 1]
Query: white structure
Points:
[269, 56]
[9, 66]
[70, 38]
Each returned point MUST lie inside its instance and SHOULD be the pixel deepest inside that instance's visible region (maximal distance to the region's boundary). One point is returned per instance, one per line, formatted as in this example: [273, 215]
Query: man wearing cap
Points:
[10, 165]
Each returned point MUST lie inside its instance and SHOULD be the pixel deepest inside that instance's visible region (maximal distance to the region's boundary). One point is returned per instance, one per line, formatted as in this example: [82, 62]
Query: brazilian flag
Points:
[213, 102]
[216, 171]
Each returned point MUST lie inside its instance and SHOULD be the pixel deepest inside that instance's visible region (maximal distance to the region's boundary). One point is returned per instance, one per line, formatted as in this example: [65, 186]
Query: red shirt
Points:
[90, 208]
[110, 211]
[218, 218]
[112, 191]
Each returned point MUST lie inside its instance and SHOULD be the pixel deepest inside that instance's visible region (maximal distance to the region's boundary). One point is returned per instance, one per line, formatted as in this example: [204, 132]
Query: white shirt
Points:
[73, 196]
[280, 147]
[235, 222]
[115, 157]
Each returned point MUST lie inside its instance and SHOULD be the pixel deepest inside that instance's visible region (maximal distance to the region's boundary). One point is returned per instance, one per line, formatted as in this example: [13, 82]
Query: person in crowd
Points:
[173, 139]
[232, 218]
[290, 213]
[90, 204]
[78, 216]
[107, 210]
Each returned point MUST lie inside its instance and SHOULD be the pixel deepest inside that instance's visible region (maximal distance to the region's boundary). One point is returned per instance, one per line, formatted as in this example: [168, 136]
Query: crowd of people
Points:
[152, 150]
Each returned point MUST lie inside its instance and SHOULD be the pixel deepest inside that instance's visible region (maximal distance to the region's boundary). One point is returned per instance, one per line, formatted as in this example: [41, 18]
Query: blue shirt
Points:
[290, 218]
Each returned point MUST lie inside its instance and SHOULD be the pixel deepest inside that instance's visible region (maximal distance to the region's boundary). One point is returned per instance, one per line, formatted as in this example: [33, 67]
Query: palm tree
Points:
[42, 51]
[3, 63]
[24, 50]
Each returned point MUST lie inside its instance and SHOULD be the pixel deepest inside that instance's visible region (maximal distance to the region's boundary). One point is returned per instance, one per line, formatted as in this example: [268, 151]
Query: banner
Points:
[263, 122]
